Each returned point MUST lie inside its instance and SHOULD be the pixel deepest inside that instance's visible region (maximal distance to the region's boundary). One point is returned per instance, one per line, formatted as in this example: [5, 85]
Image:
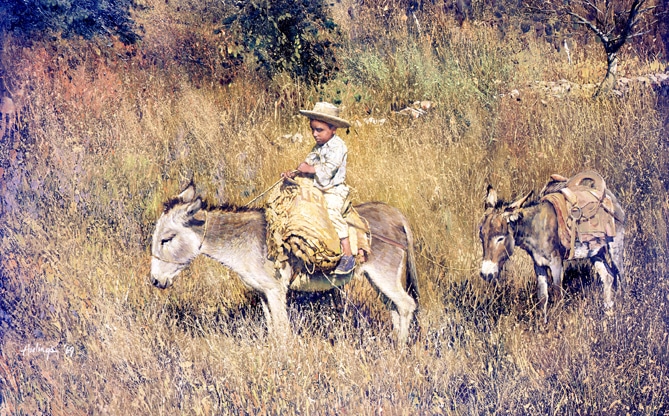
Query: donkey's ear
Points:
[194, 207]
[519, 202]
[491, 197]
[513, 212]
[188, 194]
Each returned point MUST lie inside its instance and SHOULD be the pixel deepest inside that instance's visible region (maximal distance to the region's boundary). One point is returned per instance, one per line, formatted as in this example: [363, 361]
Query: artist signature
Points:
[47, 351]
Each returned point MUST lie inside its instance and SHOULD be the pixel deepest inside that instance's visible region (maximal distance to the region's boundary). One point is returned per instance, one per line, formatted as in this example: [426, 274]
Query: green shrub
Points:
[86, 18]
[287, 36]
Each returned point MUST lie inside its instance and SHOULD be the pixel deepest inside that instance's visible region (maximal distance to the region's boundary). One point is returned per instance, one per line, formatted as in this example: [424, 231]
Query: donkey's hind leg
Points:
[387, 280]
[606, 276]
[616, 248]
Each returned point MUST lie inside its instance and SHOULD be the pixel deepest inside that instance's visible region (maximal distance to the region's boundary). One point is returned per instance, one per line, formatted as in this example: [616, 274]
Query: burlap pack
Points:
[298, 223]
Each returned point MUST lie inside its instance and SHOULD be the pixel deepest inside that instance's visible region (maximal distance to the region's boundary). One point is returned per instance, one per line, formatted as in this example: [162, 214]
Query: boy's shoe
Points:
[346, 265]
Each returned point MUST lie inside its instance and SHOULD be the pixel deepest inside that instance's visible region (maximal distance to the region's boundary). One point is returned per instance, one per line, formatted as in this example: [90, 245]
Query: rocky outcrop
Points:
[563, 87]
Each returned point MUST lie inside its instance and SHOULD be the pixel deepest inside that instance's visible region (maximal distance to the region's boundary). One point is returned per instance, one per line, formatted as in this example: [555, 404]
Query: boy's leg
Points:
[335, 204]
[346, 246]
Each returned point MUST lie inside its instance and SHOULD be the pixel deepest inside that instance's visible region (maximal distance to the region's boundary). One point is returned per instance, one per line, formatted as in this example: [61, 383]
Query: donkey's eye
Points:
[499, 239]
[166, 240]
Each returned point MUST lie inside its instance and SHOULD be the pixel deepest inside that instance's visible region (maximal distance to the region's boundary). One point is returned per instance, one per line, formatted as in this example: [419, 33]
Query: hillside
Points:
[97, 134]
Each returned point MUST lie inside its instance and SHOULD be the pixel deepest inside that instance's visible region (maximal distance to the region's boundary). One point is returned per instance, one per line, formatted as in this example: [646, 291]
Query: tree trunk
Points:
[609, 81]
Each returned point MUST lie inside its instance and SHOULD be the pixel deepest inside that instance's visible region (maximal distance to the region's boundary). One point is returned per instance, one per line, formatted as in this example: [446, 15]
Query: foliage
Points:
[297, 37]
[87, 18]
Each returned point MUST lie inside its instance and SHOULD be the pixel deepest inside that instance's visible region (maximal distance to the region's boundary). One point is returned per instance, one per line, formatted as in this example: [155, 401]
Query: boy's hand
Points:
[290, 174]
[306, 168]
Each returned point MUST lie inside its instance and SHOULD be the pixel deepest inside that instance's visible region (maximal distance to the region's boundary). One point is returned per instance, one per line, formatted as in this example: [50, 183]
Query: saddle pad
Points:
[560, 205]
[308, 219]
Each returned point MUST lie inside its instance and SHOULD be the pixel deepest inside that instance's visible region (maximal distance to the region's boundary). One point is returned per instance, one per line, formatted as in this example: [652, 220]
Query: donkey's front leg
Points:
[263, 278]
[557, 272]
[542, 288]
[276, 303]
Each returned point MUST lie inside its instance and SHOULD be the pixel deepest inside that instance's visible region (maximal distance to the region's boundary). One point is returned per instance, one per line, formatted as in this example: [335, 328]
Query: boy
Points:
[327, 164]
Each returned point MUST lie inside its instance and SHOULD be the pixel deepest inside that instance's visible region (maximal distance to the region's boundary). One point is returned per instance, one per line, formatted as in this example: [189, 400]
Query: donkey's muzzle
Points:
[157, 283]
[488, 277]
[489, 270]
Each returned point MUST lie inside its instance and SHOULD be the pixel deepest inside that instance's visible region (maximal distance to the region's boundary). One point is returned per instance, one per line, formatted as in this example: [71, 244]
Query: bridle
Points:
[199, 248]
[510, 232]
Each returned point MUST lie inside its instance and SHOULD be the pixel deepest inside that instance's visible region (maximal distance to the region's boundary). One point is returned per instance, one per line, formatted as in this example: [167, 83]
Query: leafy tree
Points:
[291, 36]
[86, 18]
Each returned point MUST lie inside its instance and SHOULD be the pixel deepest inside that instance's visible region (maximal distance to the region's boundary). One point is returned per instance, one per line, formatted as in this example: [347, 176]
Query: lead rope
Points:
[263, 193]
[267, 190]
[204, 233]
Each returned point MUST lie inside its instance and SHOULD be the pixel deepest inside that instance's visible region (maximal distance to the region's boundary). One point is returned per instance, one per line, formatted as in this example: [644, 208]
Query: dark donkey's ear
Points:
[512, 213]
[520, 202]
[491, 197]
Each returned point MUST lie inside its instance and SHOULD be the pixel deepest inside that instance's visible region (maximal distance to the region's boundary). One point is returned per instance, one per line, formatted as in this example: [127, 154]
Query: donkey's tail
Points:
[412, 272]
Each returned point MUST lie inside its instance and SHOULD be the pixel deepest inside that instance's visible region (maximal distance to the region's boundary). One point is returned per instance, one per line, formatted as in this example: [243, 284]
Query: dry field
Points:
[103, 134]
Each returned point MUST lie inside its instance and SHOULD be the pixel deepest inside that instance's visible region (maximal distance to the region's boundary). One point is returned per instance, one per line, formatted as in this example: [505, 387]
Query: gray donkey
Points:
[236, 237]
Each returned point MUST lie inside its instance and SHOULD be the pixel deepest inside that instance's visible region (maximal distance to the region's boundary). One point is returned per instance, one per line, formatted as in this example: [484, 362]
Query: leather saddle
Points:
[586, 213]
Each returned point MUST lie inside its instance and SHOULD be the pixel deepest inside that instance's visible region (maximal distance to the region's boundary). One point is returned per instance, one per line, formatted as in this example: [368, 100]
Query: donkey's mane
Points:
[229, 208]
[531, 201]
[207, 206]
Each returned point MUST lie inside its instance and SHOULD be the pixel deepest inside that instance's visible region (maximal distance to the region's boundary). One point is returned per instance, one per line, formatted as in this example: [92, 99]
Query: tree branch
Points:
[583, 21]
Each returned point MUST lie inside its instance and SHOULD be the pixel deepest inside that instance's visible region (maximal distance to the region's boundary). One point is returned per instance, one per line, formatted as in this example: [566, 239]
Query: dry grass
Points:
[103, 141]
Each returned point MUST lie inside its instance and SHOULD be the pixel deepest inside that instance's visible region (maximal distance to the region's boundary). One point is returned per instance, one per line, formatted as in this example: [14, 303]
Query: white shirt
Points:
[329, 161]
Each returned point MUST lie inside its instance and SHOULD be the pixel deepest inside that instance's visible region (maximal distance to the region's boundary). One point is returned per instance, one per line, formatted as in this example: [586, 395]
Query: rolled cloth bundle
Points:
[298, 223]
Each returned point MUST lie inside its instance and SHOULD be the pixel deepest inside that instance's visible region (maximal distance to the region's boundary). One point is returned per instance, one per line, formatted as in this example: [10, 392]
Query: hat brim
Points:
[335, 121]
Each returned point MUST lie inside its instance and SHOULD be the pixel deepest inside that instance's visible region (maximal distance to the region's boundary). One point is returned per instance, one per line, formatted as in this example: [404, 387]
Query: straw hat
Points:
[327, 113]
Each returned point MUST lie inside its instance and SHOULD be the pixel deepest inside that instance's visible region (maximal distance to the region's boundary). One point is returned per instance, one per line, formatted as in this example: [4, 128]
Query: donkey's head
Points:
[176, 239]
[496, 232]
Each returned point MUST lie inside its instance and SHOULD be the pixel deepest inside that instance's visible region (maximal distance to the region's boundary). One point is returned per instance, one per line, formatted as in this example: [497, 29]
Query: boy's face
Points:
[322, 131]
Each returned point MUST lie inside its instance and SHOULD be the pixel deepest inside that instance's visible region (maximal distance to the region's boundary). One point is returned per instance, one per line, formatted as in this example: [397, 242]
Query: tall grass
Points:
[106, 134]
